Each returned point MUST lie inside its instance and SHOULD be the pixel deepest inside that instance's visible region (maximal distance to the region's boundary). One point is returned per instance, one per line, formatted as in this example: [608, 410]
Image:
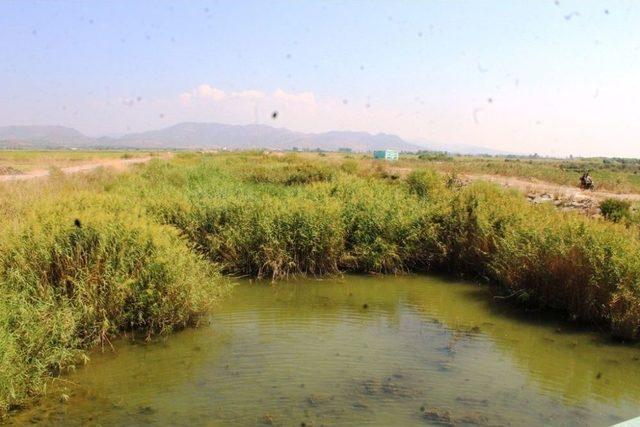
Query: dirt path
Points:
[118, 164]
[564, 197]
[561, 191]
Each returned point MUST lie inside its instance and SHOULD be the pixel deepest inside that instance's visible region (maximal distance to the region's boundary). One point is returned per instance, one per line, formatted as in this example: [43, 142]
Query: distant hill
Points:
[202, 135]
[219, 136]
[42, 137]
[215, 135]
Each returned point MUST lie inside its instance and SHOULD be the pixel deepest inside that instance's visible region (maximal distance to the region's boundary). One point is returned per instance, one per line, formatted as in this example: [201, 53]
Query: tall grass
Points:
[363, 222]
[77, 273]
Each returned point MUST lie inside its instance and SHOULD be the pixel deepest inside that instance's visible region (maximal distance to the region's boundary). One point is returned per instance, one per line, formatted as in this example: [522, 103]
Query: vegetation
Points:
[615, 210]
[149, 243]
[616, 175]
[16, 161]
[79, 268]
[362, 221]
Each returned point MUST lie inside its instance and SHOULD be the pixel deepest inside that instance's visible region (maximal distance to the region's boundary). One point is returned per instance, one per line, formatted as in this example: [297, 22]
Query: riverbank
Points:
[86, 258]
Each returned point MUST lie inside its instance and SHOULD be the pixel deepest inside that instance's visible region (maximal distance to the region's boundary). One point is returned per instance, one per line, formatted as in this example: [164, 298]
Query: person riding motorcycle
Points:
[586, 182]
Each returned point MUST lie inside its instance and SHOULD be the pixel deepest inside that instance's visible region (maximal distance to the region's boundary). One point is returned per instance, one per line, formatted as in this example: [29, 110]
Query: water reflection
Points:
[353, 351]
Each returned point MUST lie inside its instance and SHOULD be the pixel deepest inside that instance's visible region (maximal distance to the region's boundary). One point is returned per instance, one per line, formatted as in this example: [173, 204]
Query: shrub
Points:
[615, 210]
[288, 173]
[425, 183]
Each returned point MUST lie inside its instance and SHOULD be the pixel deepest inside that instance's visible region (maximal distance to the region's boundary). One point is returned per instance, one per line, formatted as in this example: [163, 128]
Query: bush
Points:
[286, 173]
[425, 183]
[615, 210]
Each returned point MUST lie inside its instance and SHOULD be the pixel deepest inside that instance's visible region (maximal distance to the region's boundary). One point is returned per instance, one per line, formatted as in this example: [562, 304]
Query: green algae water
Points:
[411, 350]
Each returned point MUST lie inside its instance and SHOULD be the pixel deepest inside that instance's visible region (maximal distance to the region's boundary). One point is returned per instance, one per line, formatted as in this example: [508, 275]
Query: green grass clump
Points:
[424, 183]
[289, 172]
[615, 210]
[268, 237]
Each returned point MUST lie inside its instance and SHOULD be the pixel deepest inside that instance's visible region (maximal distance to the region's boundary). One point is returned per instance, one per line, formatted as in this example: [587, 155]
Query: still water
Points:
[414, 350]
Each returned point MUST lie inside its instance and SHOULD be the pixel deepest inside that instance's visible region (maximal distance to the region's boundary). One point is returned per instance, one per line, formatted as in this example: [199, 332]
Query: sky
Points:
[550, 77]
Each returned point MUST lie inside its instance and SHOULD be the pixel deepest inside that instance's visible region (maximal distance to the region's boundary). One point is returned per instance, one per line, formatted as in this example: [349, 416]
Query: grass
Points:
[27, 160]
[151, 244]
[616, 210]
[79, 267]
[615, 175]
[369, 221]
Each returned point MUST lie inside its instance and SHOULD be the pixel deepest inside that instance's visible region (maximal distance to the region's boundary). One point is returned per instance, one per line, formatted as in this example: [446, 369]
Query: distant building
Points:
[385, 154]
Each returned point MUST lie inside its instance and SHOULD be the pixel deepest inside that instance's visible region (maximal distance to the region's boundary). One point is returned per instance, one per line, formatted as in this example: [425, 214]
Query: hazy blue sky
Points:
[530, 76]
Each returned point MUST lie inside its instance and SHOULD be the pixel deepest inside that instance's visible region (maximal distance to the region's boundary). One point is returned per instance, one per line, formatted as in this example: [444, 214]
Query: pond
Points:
[408, 350]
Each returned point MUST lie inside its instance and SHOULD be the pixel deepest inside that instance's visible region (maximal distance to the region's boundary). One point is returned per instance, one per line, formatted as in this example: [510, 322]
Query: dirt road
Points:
[564, 197]
[564, 191]
[118, 164]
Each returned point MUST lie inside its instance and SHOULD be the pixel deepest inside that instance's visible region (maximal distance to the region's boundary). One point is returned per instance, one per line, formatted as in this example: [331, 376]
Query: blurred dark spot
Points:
[77, 223]
[34, 32]
[599, 375]
[362, 67]
[90, 21]
[367, 105]
[606, 11]
[365, 306]
[274, 115]
[571, 15]
[490, 100]
[420, 34]
[345, 102]
[161, 115]
[138, 98]
[288, 55]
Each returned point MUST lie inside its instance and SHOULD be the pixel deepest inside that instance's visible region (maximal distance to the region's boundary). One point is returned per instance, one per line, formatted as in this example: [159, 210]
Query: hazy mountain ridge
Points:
[42, 136]
[209, 136]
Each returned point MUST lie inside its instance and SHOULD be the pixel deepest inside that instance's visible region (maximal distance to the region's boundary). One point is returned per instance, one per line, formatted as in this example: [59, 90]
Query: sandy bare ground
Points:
[534, 187]
[555, 190]
[118, 164]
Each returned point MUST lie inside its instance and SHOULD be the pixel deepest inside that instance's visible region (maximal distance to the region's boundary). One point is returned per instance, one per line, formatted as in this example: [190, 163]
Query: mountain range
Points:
[216, 136]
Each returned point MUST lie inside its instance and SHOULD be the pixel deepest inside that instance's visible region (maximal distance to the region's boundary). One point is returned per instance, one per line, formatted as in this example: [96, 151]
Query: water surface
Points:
[413, 350]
